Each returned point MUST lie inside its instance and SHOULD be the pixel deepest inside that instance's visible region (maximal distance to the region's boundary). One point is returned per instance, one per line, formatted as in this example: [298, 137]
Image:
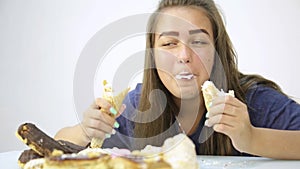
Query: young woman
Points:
[187, 44]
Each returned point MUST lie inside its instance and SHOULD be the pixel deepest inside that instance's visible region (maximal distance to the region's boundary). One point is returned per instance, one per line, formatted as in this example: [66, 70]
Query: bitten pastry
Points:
[115, 101]
[177, 152]
[26, 156]
[41, 144]
[210, 92]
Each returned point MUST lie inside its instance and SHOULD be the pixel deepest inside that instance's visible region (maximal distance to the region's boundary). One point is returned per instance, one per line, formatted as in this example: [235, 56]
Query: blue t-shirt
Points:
[267, 108]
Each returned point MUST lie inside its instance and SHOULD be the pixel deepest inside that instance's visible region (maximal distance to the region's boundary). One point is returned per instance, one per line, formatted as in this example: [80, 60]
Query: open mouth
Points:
[185, 75]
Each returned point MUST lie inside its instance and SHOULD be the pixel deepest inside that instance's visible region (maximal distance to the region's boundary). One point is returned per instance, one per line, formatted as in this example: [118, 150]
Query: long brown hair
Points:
[224, 74]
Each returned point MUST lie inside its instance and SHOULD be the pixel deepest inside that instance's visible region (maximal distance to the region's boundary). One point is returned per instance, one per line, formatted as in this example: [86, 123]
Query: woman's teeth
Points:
[189, 76]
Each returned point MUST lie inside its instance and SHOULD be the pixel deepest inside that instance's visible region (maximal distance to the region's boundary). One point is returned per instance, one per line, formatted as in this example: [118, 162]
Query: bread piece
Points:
[115, 101]
[210, 92]
[179, 152]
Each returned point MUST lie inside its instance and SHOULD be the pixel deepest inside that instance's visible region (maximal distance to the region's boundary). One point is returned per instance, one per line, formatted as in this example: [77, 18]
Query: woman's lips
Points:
[185, 75]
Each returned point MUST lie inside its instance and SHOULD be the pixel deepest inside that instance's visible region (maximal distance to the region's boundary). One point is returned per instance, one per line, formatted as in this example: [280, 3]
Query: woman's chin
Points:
[188, 93]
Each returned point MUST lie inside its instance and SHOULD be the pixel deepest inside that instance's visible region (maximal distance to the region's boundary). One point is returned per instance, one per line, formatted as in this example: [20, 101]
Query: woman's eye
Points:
[199, 42]
[169, 44]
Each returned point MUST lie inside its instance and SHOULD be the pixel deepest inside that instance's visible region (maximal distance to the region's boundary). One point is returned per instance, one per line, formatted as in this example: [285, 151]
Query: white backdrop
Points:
[40, 42]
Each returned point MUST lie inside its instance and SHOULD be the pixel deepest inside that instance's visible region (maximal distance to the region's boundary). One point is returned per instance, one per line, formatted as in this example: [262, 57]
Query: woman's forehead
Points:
[183, 19]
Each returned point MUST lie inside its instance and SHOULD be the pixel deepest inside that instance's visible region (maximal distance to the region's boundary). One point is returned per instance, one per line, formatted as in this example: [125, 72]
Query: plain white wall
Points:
[40, 42]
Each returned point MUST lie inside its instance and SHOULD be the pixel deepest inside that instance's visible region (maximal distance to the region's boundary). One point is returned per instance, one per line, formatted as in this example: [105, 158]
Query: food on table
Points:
[46, 153]
[176, 153]
[41, 144]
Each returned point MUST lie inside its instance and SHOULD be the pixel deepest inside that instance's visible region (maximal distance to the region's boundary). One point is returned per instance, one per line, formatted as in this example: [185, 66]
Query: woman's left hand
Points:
[229, 116]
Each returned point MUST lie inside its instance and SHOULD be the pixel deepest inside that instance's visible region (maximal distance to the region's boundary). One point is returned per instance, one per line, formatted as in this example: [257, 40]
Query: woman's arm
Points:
[74, 134]
[279, 144]
[230, 116]
[95, 124]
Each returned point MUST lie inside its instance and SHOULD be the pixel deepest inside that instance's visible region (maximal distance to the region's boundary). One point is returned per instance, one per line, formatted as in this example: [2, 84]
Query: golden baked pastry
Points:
[177, 152]
[115, 101]
[210, 91]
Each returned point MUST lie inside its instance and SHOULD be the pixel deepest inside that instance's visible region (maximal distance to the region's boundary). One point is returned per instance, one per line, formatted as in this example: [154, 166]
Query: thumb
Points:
[121, 110]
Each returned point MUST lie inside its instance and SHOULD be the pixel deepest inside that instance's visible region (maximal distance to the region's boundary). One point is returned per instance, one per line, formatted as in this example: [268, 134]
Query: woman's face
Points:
[184, 50]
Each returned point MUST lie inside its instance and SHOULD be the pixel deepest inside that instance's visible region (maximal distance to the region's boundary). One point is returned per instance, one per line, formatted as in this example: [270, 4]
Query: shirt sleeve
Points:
[269, 108]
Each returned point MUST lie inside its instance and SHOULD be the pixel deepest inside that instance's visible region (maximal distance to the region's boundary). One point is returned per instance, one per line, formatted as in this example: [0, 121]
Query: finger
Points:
[228, 99]
[220, 119]
[99, 125]
[223, 109]
[104, 104]
[99, 115]
[92, 113]
[223, 128]
[94, 133]
[121, 110]
[109, 120]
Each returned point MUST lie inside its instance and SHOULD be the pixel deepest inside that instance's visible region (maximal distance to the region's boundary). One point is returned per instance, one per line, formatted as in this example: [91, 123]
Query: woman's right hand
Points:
[99, 120]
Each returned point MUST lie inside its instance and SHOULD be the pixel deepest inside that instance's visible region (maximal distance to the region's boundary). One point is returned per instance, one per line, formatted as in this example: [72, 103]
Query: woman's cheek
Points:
[164, 60]
[205, 59]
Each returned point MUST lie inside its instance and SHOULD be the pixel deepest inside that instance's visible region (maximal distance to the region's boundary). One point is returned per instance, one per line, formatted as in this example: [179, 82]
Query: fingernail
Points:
[116, 125]
[107, 135]
[113, 131]
[209, 104]
[206, 123]
[122, 108]
[207, 115]
[113, 111]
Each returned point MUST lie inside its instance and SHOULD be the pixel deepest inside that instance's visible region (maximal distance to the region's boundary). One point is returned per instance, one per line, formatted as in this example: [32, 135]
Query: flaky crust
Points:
[115, 101]
[210, 92]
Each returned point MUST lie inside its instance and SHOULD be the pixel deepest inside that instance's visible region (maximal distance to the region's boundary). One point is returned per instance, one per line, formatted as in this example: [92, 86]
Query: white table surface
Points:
[8, 160]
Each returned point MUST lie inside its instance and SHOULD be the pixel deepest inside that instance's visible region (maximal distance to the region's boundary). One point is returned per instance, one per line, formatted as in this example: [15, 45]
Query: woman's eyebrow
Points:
[169, 33]
[198, 31]
[175, 33]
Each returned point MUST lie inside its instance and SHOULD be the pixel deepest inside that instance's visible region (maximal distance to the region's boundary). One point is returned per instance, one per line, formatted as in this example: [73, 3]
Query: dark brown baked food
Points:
[26, 156]
[43, 144]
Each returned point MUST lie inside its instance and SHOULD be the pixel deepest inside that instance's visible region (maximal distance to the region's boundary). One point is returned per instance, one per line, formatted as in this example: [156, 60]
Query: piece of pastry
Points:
[37, 163]
[179, 152]
[115, 101]
[210, 91]
[176, 152]
[47, 153]
[75, 161]
[26, 156]
[43, 144]
[97, 158]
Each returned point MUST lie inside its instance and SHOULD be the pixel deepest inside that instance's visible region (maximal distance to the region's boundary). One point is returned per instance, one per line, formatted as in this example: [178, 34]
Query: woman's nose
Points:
[184, 55]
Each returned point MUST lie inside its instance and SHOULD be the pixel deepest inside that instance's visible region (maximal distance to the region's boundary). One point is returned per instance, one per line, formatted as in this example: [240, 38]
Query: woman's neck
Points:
[190, 113]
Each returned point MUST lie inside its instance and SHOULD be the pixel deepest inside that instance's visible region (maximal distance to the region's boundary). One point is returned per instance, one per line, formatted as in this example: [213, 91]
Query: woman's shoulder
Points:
[131, 102]
[133, 96]
[271, 108]
[259, 94]
[264, 97]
